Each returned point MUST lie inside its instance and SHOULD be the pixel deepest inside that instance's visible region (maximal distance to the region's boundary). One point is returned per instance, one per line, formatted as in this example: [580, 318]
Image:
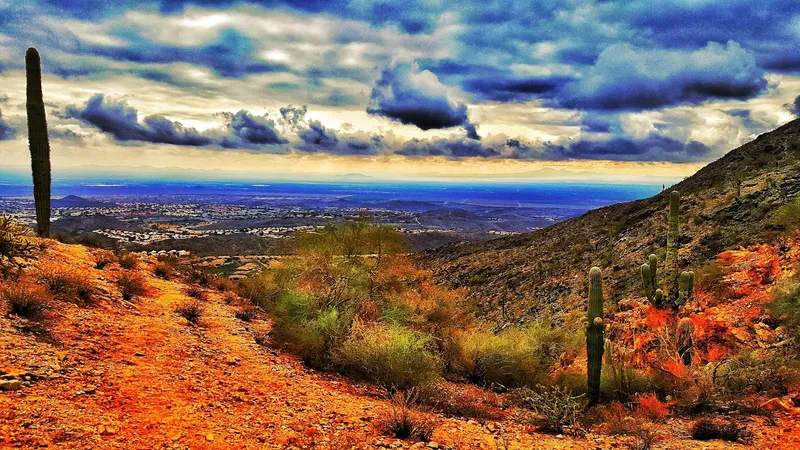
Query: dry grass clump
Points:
[248, 313]
[127, 261]
[459, 400]
[103, 258]
[707, 429]
[26, 300]
[163, 270]
[400, 420]
[555, 407]
[191, 309]
[131, 285]
[196, 292]
[67, 284]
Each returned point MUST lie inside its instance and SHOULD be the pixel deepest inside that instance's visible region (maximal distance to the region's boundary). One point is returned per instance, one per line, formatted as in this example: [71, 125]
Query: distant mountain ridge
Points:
[728, 203]
[74, 201]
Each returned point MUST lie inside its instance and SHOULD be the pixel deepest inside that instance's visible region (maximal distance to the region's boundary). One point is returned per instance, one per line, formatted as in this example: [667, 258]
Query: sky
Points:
[577, 89]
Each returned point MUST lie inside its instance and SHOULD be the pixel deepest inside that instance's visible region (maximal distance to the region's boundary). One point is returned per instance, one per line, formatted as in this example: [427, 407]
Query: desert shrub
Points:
[515, 357]
[645, 437]
[616, 419]
[555, 407]
[102, 258]
[262, 289]
[649, 407]
[785, 306]
[127, 261]
[66, 284]
[248, 313]
[711, 278]
[198, 277]
[221, 284]
[401, 421]
[15, 242]
[766, 373]
[706, 429]
[191, 310]
[163, 270]
[460, 400]
[196, 292]
[392, 356]
[26, 300]
[788, 215]
[620, 378]
[131, 285]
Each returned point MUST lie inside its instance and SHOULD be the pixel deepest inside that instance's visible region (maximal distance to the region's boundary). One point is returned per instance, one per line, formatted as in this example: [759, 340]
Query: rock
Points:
[432, 444]
[139, 354]
[210, 437]
[775, 404]
[10, 385]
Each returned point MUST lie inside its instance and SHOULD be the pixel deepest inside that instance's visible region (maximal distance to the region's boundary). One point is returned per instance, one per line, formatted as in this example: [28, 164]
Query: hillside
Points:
[729, 203]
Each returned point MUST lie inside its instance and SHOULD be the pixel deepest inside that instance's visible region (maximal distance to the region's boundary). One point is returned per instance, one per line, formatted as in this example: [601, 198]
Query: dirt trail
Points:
[136, 375]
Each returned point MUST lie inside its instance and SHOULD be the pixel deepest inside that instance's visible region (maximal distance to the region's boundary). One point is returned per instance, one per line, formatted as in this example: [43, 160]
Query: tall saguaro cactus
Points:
[677, 285]
[594, 334]
[673, 241]
[38, 141]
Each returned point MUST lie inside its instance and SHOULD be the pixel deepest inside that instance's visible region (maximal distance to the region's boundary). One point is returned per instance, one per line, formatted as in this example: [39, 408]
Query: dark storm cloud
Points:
[629, 78]
[652, 148]
[413, 97]
[513, 88]
[6, 130]
[120, 120]
[115, 117]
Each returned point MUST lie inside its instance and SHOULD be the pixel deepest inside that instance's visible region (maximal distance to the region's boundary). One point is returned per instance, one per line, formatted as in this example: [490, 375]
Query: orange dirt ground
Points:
[136, 375]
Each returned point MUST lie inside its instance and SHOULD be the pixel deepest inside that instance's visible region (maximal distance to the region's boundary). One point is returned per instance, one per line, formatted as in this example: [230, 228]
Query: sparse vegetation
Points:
[706, 429]
[555, 407]
[67, 284]
[248, 313]
[127, 261]
[400, 420]
[196, 292]
[26, 300]
[191, 309]
[15, 244]
[131, 285]
[163, 270]
[103, 258]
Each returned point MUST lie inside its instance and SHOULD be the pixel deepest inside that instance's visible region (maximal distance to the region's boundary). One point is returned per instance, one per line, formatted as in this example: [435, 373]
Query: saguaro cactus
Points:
[678, 286]
[594, 334]
[685, 287]
[38, 141]
[649, 278]
[673, 241]
[686, 340]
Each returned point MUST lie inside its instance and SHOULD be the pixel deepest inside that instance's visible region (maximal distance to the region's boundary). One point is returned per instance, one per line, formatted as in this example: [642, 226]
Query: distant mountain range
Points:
[73, 201]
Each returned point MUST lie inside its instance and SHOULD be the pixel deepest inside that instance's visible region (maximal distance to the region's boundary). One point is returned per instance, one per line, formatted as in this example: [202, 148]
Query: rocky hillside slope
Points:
[730, 202]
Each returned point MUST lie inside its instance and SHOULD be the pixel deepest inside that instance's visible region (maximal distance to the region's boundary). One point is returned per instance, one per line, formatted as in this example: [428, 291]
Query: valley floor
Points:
[136, 375]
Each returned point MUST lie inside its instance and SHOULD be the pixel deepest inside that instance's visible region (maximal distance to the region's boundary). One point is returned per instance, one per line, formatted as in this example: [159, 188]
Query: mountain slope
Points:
[730, 202]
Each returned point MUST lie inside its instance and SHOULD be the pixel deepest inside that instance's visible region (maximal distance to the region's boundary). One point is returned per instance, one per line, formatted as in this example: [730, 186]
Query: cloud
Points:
[514, 88]
[121, 121]
[6, 130]
[652, 148]
[115, 117]
[250, 131]
[413, 97]
[794, 107]
[630, 78]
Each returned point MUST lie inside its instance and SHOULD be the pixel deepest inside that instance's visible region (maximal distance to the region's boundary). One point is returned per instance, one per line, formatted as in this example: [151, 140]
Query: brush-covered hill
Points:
[731, 202]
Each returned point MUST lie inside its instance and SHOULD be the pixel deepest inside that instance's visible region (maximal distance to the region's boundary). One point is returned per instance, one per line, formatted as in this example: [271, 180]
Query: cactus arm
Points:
[594, 335]
[647, 282]
[38, 141]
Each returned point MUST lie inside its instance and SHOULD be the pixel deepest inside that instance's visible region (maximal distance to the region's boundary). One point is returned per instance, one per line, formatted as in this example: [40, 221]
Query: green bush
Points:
[785, 306]
[392, 356]
[514, 357]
